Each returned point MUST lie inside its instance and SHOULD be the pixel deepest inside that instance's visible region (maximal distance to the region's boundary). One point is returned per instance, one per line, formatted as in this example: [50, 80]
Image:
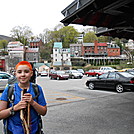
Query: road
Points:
[74, 109]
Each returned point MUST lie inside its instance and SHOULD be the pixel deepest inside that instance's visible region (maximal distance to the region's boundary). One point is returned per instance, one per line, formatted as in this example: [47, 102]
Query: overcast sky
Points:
[37, 14]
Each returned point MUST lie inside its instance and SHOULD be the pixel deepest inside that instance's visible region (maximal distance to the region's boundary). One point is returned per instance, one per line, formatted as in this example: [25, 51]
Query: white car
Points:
[107, 69]
[74, 74]
[44, 73]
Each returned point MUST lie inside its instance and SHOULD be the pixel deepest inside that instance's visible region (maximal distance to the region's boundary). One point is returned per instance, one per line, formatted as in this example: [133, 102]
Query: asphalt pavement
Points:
[74, 109]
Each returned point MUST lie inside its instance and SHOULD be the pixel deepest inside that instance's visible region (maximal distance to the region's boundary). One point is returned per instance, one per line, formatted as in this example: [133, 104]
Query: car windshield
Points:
[109, 68]
[103, 76]
[74, 71]
[126, 74]
[97, 70]
[44, 72]
[60, 72]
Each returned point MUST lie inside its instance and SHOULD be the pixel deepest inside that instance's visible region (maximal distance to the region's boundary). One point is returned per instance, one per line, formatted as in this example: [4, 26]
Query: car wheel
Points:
[58, 78]
[97, 75]
[119, 88]
[73, 77]
[91, 86]
[87, 75]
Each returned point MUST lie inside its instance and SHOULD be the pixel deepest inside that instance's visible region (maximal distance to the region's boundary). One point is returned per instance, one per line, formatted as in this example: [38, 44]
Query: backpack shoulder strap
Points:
[10, 93]
[36, 90]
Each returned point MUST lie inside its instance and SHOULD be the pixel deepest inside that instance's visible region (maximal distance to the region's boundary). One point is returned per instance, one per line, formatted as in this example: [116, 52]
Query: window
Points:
[111, 76]
[103, 76]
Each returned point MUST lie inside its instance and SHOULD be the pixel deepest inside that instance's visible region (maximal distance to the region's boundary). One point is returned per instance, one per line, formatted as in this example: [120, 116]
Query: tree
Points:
[66, 35]
[89, 37]
[45, 52]
[104, 39]
[3, 44]
[22, 34]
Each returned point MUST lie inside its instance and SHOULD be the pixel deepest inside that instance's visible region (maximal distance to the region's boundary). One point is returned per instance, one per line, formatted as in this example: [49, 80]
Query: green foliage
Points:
[3, 44]
[45, 52]
[79, 63]
[90, 37]
[66, 35]
[103, 39]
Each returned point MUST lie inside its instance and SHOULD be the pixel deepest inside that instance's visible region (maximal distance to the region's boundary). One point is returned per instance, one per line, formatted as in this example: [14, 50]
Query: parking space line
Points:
[54, 98]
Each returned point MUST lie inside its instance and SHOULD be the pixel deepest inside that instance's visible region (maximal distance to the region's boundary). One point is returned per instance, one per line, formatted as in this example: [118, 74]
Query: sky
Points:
[36, 14]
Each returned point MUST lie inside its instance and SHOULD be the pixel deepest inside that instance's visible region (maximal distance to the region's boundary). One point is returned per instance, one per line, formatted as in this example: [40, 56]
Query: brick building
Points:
[95, 52]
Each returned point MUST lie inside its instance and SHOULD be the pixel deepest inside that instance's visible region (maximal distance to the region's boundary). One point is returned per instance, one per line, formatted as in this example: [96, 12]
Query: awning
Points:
[120, 33]
[113, 14]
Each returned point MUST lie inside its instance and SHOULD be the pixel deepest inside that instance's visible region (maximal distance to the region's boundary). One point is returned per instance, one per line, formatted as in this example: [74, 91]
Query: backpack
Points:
[11, 100]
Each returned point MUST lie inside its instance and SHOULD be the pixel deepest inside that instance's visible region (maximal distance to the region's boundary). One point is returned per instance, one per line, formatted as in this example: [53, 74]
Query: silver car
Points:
[4, 80]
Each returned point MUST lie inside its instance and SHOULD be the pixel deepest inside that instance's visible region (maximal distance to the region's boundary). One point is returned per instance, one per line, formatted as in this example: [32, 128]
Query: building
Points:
[14, 44]
[22, 53]
[113, 50]
[95, 53]
[36, 43]
[76, 50]
[61, 57]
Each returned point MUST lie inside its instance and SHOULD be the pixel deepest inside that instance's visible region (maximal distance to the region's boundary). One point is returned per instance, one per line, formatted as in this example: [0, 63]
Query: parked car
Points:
[124, 69]
[51, 72]
[4, 77]
[59, 75]
[93, 73]
[131, 71]
[44, 73]
[81, 71]
[107, 69]
[74, 74]
[118, 81]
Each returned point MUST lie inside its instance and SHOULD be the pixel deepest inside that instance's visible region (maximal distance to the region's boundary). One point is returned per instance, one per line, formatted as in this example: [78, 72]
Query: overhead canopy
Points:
[113, 14]
[120, 33]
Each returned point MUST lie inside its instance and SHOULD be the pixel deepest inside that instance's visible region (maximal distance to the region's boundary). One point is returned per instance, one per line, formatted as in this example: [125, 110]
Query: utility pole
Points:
[24, 50]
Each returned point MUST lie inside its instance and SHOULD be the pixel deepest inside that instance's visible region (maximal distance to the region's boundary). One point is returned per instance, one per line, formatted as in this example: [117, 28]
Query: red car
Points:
[59, 75]
[93, 73]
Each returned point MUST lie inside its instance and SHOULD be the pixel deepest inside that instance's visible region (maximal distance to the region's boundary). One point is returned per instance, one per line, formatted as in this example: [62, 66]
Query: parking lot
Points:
[74, 109]
[64, 91]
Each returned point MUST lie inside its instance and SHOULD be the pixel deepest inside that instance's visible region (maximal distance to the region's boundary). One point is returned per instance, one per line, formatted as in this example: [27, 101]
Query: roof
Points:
[101, 44]
[57, 63]
[88, 44]
[115, 14]
[22, 49]
[120, 33]
[57, 44]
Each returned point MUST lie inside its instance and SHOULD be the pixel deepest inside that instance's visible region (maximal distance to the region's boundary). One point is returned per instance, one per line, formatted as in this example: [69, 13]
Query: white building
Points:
[14, 44]
[130, 44]
[61, 57]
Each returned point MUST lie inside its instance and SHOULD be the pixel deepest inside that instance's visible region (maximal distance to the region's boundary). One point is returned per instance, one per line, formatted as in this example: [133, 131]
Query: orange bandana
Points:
[24, 63]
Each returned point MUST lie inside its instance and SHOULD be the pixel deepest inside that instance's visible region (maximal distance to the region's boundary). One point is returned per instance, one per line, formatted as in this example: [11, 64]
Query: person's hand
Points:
[27, 97]
[21, 105]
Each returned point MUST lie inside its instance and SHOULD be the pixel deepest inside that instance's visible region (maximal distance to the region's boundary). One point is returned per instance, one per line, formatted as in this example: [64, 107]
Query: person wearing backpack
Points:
[10, 107]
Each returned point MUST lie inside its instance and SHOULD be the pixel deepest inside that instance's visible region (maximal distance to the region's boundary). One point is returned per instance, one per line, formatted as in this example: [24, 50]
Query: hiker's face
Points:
[23, 73]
